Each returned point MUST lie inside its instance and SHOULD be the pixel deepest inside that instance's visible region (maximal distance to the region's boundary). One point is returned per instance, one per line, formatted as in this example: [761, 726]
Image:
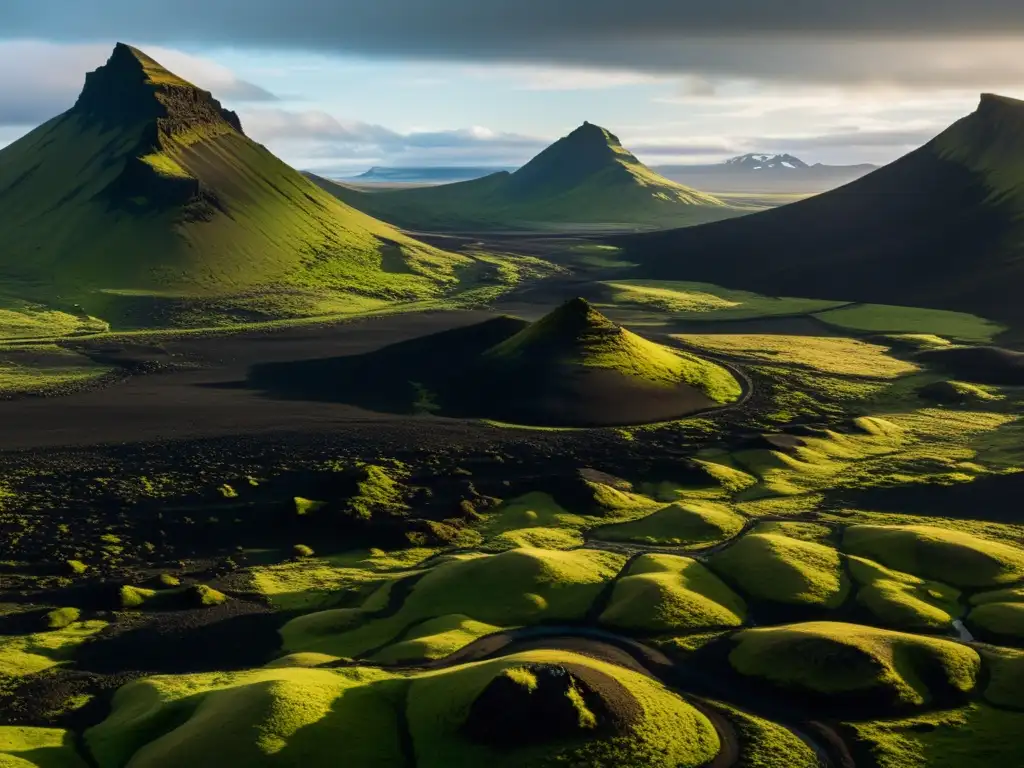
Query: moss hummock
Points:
[837, 659]
[943, 554]
[665, 593]
[779, 569]
[695, 524]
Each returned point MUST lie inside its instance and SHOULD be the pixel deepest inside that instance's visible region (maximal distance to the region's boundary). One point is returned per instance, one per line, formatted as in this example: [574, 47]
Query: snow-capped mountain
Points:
[753, 162]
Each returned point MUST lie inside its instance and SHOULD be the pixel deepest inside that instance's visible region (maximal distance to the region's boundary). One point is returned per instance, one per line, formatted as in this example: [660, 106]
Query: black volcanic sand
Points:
[984, 365]
[444, 373]
[194, 387]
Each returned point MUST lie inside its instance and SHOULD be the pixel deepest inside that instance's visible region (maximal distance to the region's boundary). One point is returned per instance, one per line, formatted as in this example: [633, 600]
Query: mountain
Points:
[426, 175]
[941, 227]
[573, 367]
[586, 178]
[147, 192]
[751, 162]
[765, 173]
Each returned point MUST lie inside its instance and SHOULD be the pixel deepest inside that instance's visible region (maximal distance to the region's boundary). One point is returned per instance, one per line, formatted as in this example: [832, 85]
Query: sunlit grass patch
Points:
[829, 354]
[704, 301]
[892, 319]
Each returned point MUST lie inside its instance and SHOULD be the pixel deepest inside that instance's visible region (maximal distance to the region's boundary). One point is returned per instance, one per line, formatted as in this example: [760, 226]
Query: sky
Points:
[338, 86]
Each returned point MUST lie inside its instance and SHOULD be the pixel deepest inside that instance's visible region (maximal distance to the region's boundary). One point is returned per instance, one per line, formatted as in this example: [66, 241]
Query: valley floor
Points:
[829, 572]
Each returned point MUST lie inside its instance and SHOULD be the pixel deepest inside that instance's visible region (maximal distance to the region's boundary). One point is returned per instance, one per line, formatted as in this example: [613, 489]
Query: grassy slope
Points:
[585, 178]
[271, 228]
[835, 658]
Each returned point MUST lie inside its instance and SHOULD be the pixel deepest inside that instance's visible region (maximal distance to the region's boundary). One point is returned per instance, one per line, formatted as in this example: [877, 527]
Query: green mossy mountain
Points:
[941, 227]
[149, 187]
[585, 178]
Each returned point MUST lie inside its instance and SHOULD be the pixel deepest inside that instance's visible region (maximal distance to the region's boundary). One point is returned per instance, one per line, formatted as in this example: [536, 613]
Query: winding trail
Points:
[633, 655]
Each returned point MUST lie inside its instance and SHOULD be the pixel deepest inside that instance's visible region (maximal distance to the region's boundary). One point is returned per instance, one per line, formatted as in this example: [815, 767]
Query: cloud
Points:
[39, 80]
[316, 136]
[852, 140]
[914, 42]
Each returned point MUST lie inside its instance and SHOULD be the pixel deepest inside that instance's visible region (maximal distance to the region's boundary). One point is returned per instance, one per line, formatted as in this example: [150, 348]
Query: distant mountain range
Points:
[941, 227]
[584, 179]
[148, 194]
[765, 173]
[427, 175]
[746, 173]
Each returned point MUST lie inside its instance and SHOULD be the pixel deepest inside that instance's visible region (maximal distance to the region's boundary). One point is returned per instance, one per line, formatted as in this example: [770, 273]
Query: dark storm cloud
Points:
[727, 37]
[473, 24]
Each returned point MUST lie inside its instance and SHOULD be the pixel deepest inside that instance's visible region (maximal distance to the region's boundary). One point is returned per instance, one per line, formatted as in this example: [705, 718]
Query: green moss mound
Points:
[901, 601]
[862, 663]
[192, 596]
[783, 570]
[957, 393]
[435, 639]
[514, 588]
[764, 744]
[667, 593]
[694, 525]
[999, 619]
[951, 556]
[22, 747]
[60, 618]
[1005, 686]
[551, 708]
